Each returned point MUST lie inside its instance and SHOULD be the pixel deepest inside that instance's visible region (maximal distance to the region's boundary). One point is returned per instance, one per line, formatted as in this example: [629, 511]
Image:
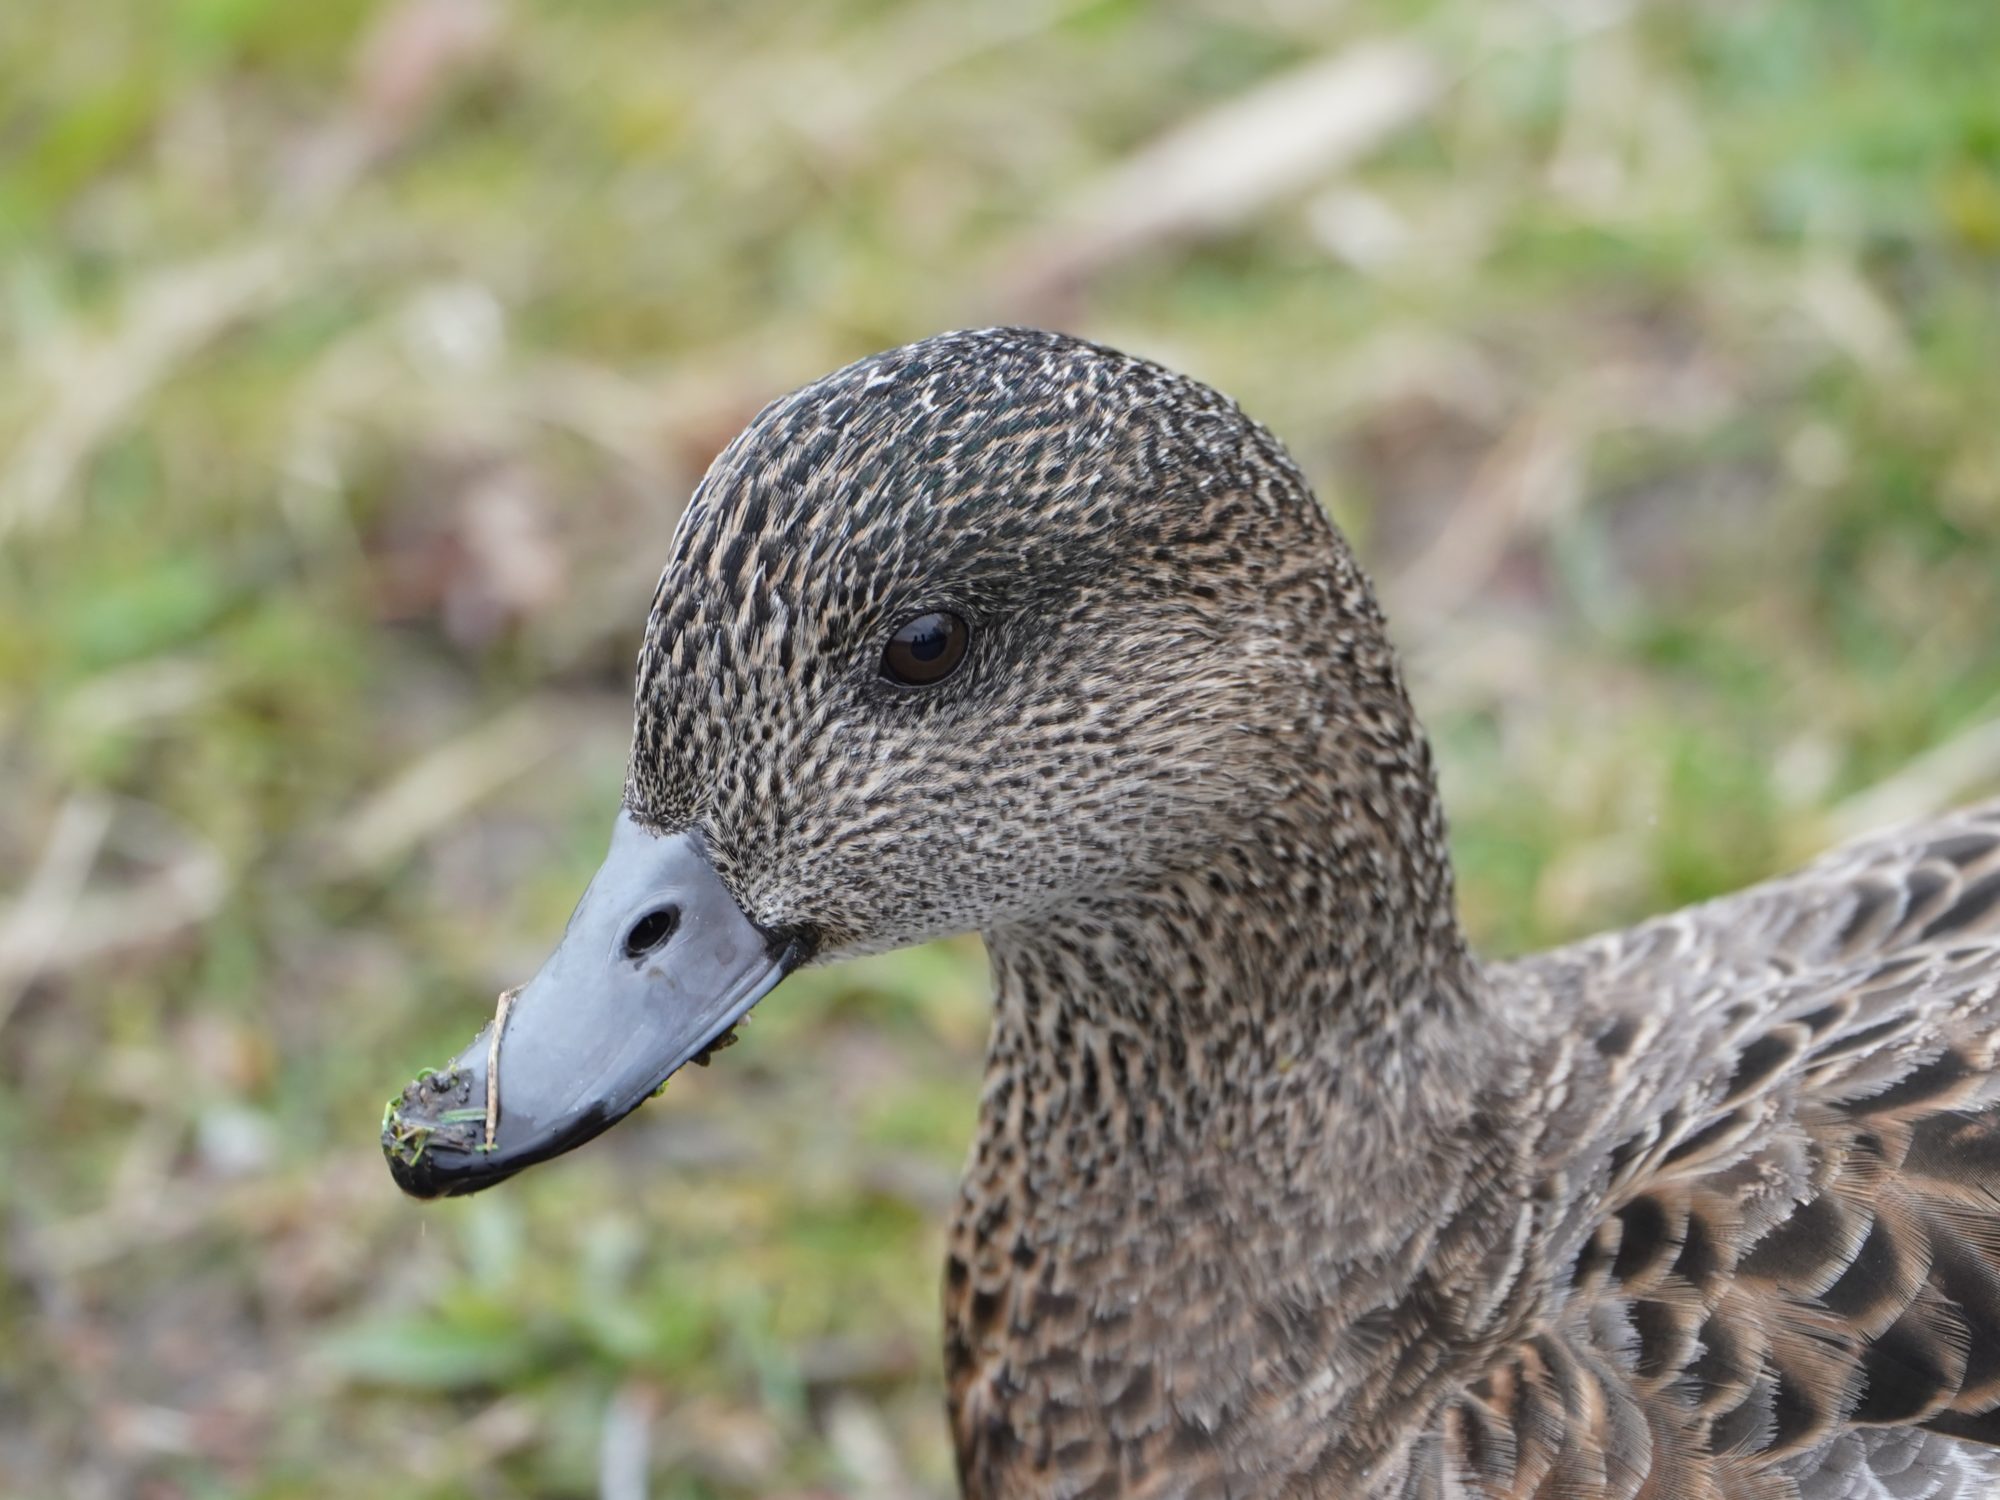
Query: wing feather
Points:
[1787, 1284]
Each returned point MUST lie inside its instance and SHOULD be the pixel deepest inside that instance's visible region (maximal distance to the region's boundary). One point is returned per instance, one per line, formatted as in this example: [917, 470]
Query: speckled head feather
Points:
[1276, 1191]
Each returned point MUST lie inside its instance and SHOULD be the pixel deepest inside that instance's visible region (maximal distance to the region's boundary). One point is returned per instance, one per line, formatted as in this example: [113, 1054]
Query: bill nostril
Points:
[651, 930]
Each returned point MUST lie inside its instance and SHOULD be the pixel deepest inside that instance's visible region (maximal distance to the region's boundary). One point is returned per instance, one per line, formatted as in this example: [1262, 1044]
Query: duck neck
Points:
[1241, 1101]
[1270, 1008]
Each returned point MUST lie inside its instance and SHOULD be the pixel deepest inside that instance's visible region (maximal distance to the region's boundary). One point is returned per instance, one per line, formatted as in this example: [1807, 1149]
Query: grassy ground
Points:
[358, 359]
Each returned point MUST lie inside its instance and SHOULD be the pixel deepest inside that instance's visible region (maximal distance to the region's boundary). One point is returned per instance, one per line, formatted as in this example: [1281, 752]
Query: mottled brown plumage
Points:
[1277, 1190]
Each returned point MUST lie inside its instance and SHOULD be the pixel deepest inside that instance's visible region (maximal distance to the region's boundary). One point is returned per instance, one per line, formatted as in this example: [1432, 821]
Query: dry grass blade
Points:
[1853, 315]
[1964, 765]
[440, 786]
[95, 384]
[625, 1448]
[1534, 473]
[1218, 170]
[59, 923]
[31, 929]
[862, 1444]
[501, 1011]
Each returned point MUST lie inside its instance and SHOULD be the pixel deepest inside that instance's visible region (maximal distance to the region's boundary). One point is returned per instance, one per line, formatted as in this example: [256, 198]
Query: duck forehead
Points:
[997, 453]
[960, 464]
[963, 437]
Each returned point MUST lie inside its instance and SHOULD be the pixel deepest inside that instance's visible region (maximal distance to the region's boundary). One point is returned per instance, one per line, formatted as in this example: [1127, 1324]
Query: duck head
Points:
[968, 635]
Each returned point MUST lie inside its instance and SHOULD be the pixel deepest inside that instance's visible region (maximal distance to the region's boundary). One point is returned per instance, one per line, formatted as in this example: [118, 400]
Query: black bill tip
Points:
[434, 1136]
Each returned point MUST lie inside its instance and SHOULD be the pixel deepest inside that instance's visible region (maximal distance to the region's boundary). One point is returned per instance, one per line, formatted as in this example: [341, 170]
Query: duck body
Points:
[1277, 1189]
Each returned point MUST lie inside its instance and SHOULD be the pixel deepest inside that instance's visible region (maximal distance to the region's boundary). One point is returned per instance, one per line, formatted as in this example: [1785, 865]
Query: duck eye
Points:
[925, 650]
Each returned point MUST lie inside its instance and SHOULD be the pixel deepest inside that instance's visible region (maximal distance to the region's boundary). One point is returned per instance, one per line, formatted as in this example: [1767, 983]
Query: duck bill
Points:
[657, 966]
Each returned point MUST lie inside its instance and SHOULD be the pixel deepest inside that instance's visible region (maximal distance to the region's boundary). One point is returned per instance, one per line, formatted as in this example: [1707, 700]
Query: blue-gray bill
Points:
[656, 968]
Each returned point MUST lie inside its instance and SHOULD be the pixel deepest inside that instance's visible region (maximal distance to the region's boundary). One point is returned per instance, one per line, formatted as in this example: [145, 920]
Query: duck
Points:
[1278, 1189]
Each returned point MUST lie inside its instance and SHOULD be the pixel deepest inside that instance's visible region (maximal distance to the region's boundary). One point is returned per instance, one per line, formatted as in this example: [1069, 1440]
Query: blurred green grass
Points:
[357, 360]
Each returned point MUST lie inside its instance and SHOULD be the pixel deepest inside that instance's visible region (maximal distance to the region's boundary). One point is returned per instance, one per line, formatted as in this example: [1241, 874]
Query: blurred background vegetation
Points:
[358, 357]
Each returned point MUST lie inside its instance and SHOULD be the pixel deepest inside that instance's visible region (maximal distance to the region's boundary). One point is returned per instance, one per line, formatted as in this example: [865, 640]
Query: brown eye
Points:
[925, 650]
